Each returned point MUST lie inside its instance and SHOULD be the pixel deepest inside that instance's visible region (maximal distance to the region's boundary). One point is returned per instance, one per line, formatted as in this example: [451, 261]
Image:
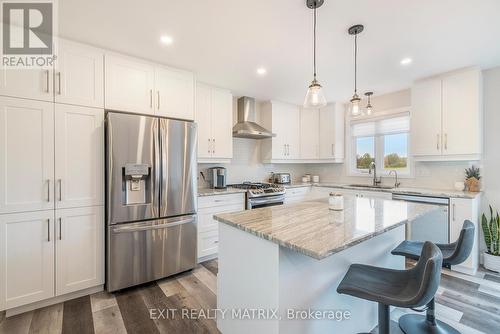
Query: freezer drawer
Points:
[147, 251]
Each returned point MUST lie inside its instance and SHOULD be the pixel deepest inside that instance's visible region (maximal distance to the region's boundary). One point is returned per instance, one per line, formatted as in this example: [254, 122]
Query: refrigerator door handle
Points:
[138, 227]
[156, 168]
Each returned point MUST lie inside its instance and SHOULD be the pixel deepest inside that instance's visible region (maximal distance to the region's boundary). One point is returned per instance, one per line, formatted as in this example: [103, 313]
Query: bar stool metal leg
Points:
[384, 321]
[419, 324]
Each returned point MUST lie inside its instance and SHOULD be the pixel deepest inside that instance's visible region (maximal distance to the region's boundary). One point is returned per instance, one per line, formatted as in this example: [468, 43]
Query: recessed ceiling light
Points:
[261, 71]
[167, 40]
[406, 61]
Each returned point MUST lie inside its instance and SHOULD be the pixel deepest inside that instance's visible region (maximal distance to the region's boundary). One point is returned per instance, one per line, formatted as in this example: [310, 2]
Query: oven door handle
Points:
[267, 201]
[146, 227]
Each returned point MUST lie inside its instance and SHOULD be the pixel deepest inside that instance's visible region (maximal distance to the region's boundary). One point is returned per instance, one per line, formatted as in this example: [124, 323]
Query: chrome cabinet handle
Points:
[59, 182]
[284, 149]
[48, 230]
[47, 81]
[437, 141]
[213, 145]
[60, 228]
[446, 141]
[151, 98]
[48, 190]
[58, 74]
[209, 146]
[158, 99]
[454, 207]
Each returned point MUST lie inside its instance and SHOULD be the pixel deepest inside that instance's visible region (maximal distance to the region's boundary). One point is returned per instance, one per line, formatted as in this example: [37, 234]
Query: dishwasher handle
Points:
[422, 199]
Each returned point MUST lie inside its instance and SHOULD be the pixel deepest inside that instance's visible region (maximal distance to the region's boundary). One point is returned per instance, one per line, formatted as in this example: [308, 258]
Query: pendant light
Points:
[355, 101]
[369, 108]
[314, 97]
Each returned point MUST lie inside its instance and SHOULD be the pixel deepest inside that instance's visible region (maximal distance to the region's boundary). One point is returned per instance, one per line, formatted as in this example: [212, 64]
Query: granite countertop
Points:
[213, 192]
[402, 190]
[314, 230]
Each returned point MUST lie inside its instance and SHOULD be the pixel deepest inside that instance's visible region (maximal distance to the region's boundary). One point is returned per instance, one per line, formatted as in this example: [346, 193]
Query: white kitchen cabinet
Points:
[462, 209]
[331, 132]
[79, 244]
[462, 128]
[446, 117]
[79, 75]
[214, 117]
[26, 155]
[208, 234]
[129, 84]
[26, 258]
[36, 84]
[283, 119]
[174, 93]
[297, 194]
[309, 133]
[79, 138]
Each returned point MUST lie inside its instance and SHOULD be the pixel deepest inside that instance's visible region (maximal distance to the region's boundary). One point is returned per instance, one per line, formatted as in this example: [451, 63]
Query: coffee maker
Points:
[217, 177]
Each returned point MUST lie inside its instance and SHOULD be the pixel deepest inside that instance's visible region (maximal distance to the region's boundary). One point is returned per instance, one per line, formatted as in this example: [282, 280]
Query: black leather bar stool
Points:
[453, 254]
[410, 288]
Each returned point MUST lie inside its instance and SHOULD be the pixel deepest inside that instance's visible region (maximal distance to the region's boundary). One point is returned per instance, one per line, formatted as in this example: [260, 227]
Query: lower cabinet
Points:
[79, 249]
[208, 228]
[49, 253]
[27, 258]
[298, 194]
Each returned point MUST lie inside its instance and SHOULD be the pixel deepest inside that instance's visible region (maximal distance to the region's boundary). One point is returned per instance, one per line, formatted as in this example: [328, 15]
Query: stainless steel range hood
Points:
[246, 126]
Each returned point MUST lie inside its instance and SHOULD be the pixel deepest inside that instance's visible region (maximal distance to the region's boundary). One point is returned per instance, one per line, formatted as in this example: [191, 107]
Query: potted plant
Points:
[472, 178]
[491, 230]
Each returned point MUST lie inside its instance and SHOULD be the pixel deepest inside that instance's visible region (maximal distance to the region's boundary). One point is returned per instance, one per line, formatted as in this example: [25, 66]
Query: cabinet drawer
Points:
[205, 216]
[208, 243]
[221, 200]
[290, 192]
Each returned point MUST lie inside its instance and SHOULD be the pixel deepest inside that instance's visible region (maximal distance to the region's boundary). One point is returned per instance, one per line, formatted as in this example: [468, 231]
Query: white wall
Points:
[491, 161]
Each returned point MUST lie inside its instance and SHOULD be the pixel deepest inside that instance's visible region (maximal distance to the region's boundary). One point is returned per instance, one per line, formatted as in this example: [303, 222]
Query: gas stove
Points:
[262, 194]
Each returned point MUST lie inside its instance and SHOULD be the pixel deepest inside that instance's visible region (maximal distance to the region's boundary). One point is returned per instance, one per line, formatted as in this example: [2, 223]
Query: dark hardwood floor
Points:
[471, 304]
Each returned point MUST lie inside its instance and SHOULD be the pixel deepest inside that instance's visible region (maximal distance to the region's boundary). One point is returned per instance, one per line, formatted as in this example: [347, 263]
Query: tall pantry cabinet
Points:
[51, 178]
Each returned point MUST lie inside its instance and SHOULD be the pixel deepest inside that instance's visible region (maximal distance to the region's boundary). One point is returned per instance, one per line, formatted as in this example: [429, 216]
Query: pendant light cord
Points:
[314, 43]
[356, 63]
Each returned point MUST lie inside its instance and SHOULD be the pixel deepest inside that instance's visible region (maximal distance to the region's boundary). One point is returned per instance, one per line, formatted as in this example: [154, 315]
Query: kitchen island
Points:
[277, 264]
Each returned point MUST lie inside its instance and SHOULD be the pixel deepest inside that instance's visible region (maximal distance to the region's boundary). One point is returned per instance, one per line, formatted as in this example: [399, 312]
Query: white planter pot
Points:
[492, 262]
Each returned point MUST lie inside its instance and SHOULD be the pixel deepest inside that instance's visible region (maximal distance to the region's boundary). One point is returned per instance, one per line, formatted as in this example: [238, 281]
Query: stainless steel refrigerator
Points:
[150, 198]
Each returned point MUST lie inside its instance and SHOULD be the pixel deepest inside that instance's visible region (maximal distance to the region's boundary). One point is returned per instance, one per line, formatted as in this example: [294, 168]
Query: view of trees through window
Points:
[395, 148]
[365, 152]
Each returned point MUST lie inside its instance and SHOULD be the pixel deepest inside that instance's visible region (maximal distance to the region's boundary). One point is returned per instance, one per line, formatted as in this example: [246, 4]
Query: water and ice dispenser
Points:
[136, 183]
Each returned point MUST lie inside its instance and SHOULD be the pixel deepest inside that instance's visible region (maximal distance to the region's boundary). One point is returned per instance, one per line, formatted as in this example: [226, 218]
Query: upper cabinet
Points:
[129, 84]
[138, 86]
[303, 135]
[174, 93]
[214, 117]
[79, 75]
[331, 132]
[77, 78]
[446, 117]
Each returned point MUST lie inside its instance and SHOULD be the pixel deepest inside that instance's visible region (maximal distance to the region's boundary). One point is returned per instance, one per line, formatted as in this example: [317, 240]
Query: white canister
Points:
[459, 185]
[315, 178]
[304, 179]
[308, 177]
[336, 202]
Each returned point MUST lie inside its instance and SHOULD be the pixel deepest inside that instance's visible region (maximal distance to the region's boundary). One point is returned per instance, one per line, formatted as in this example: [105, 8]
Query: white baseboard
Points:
[464, 270]
[207, 258]
[51, 301]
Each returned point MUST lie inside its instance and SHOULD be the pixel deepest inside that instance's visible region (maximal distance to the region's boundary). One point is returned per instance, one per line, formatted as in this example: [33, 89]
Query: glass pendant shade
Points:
[369, 109]
[315, 97]
[355, 101]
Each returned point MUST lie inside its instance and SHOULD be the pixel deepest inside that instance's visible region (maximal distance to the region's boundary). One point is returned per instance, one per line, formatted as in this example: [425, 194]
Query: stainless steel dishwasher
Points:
[434, 226]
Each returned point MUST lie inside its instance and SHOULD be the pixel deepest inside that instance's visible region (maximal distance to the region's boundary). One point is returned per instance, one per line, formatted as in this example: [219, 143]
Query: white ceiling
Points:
[224, 41]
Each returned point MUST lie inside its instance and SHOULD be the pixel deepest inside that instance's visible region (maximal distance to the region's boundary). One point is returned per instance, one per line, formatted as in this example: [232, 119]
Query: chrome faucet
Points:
[376, 181]
[396, 183]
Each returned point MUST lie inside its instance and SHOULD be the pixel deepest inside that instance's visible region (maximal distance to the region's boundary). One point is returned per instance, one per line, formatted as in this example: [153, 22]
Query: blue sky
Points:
[393, 144]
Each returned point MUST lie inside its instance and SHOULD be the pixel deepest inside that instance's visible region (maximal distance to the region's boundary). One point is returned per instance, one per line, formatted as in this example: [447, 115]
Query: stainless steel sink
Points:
[369, 186]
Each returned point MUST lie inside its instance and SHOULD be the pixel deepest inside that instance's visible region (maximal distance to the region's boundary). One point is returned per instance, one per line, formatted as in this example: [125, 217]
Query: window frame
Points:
[379, 147]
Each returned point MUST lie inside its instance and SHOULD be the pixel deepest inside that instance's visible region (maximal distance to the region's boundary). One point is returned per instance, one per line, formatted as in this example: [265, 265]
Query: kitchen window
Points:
[383, 140]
